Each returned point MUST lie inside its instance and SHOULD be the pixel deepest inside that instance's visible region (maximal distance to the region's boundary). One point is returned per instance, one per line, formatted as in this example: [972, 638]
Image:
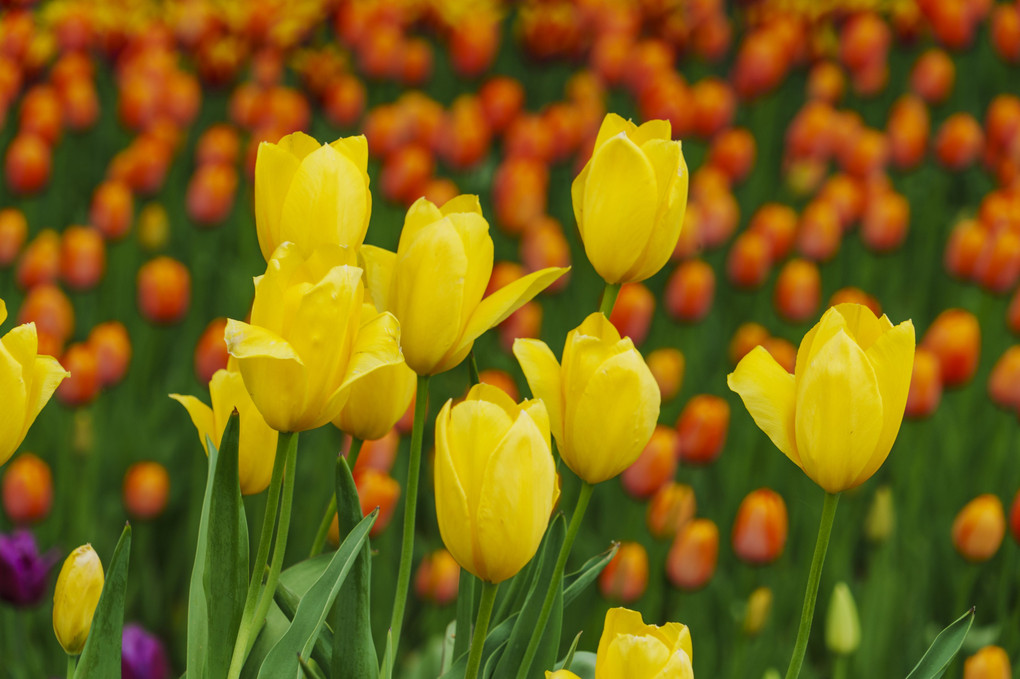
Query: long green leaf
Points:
[945, 647]
[576, 582]
[310, 669]
[198, 606]
[288, 601]
[101, 657]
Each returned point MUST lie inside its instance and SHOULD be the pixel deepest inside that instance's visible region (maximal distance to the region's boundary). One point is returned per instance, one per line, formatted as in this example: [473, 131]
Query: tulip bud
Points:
[23, 570]
[842, 626]
[759, 531]
[966, 243]
[958, 141]
[925, 385]
[438, 578]
[82, 384]
[625, 577]
[143, 655]
[778, 224]
[630, 648]
[955, 338]
[1004, 382]
[164, 290]
[211, 351]
[632, 314]
[692, 558]
[377, 489]
[733, 152]
[112, 210]
[39, 263]
[907, 132]
[1005, 30]
[820, 232]
[153, 227]
[885, 221]
[82, 257]
[759, 606]
[750, 260]
[991, 662]
[210, 195]
[672, 506]
[75, 598]
[379, 454]
[655, 466]
[28, 163]
[798, 290]
[880, 522]
[560, 674]
[111, 346]
[667, 365]
[146, 488]
[27, 489]
[690, 290]
[13, 232]
[703, 425]
[932, 76]
[979, 528]
[544, 245]
[747, 337]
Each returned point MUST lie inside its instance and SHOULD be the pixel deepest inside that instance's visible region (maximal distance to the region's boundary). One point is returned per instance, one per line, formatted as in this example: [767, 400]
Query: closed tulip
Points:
[27, 381]
[603, 400]
[991, 662]
[311, 194]
[75, 598]
[495, 481]
[435, 281]
[630, 648]
[838, 415]
[630, 199]
[306, 345]
[842, 625]
[257, 443]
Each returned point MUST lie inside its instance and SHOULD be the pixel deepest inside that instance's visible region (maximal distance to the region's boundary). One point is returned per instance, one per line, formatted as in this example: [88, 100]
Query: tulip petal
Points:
[356, 149]
[634, 656]
[273, 373]
[657, 130]
[201, 417]
[543, 375]
[672, 178]
[474, 234]
[377, 346]
[862, 324]
[12, 415]
[467, 203]
[422, 214]
[769, 394]
[257, 443]
[839, 414]
[456, 521]
[274, 169]
[47, 374]
[3, 312]
[814, 339]
[378, 265]
[612, 125]
[298, 144]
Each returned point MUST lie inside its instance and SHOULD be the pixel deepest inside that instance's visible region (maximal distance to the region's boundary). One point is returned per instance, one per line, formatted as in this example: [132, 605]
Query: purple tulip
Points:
[23, 570]
[142, 655]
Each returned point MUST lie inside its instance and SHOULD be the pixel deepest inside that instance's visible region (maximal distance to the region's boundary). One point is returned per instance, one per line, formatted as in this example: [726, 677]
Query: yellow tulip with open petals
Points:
[306, 345]
[630, 648]
[838, 415]
[27, 381]
[257, 442]
[630, 199]
[311, 194]
[435, 281]
[495, 481]
[603, 401]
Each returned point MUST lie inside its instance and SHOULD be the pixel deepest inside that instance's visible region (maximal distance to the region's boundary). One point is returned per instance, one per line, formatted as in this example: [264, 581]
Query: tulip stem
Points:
[608, 301]
[524, 670]
[473, 368]
[421, 406]
[839, 668]
[72, 665]
[465, 608]
[481, 628]
[814, 578]
[327, 518]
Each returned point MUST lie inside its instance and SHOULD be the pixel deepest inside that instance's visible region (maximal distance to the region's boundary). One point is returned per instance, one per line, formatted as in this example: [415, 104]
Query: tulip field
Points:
[576, 339]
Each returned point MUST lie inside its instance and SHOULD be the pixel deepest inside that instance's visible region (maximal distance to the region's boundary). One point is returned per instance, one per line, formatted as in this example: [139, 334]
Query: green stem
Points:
[72, 665]
[839, 667]
[465, 609]
[481, 628]
[327, 518]
[421, 406]
[561, 563]
[814, 577]
[473, 368]
[608, 301]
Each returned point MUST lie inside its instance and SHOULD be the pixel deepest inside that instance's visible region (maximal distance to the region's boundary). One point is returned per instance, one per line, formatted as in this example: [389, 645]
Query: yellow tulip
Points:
[630, 648]
[837, 417]
[377, 402]
[495, 481]
[630, 199]
[561, 674]
[311, 194]
[27, 381]
[75, 598]
[435, 281]
[257, 444]
[603, 401]
[306, 345]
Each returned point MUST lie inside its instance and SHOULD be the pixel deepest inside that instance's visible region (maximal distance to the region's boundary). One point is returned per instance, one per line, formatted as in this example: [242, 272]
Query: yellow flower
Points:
[630, 199]
[434, 283]
[311, 194]
[75, 598]
[257, 444]
[495, 481]
[603, 402]
[306, 346]
[27, 381]
[630, 648]
[561, 674]
[377, 402]
[837, 417]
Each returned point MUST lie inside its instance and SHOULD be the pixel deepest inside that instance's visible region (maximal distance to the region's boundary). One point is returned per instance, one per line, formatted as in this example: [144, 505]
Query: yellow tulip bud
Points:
[495, 481]
[311, 194]
[75, 598]
[630, 199]
[881, 518]
[306, 345]
[27, 381]
[257, 444]
[435, 281]
[842, 626]
[759, 605]
[603, 401]
[837, 417]
[630, 648]
[377, 402]
[561, 674]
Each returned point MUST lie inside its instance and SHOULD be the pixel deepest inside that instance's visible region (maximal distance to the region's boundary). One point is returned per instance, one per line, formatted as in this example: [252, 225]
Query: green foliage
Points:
[945, 647]
[100, 658]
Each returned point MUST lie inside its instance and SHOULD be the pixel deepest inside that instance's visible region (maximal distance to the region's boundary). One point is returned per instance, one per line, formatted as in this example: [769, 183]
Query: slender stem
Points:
[473, 368]
[72, 665]
[608, 301]
[327, 518]
[561, 563]
[421, 406]
[481, 628]
[354, 452]
[814, 577]
[839, 667]
[465, 609]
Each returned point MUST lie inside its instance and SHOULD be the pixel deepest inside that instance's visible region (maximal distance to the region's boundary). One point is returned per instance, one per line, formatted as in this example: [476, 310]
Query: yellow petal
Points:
[201, 417]
[273, 373]
[659, 130]
[543, 374]
[671, 175]
[769, 394]
[12, 415]
[839, 414]
[494, 395]
[633, 656]
[356, 149]
[257, 442]
[377, 402]
[612, 125]
[377, 346]
[862, 324]
[3, 312]
[456, 521]
[298, 144]
[814, 339]
[47, 374]
[474, 234]
[275, 166]
[378, 265]
[421, 214]
[466, 202]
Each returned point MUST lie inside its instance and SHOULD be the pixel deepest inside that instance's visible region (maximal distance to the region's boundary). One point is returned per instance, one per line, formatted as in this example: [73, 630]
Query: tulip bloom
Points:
[27, 381]
[23, 570]
[603, 401]
[257, 443]
[630, 648]
[838, 416]
[311, 195]
[75, 598]
[306, 346]
[630, 199]
[434, 283]
[495, 481]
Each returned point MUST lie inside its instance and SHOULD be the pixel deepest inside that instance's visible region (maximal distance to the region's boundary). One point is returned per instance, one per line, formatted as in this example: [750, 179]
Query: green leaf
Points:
[496, 638]
[353, 651]
[310, 669]
[569, 658]
[315, 604]
[941, 652]
[288, 603]
[101, 657]
[583, 664]
[576, 582]
[198, 606]
[465, 612]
